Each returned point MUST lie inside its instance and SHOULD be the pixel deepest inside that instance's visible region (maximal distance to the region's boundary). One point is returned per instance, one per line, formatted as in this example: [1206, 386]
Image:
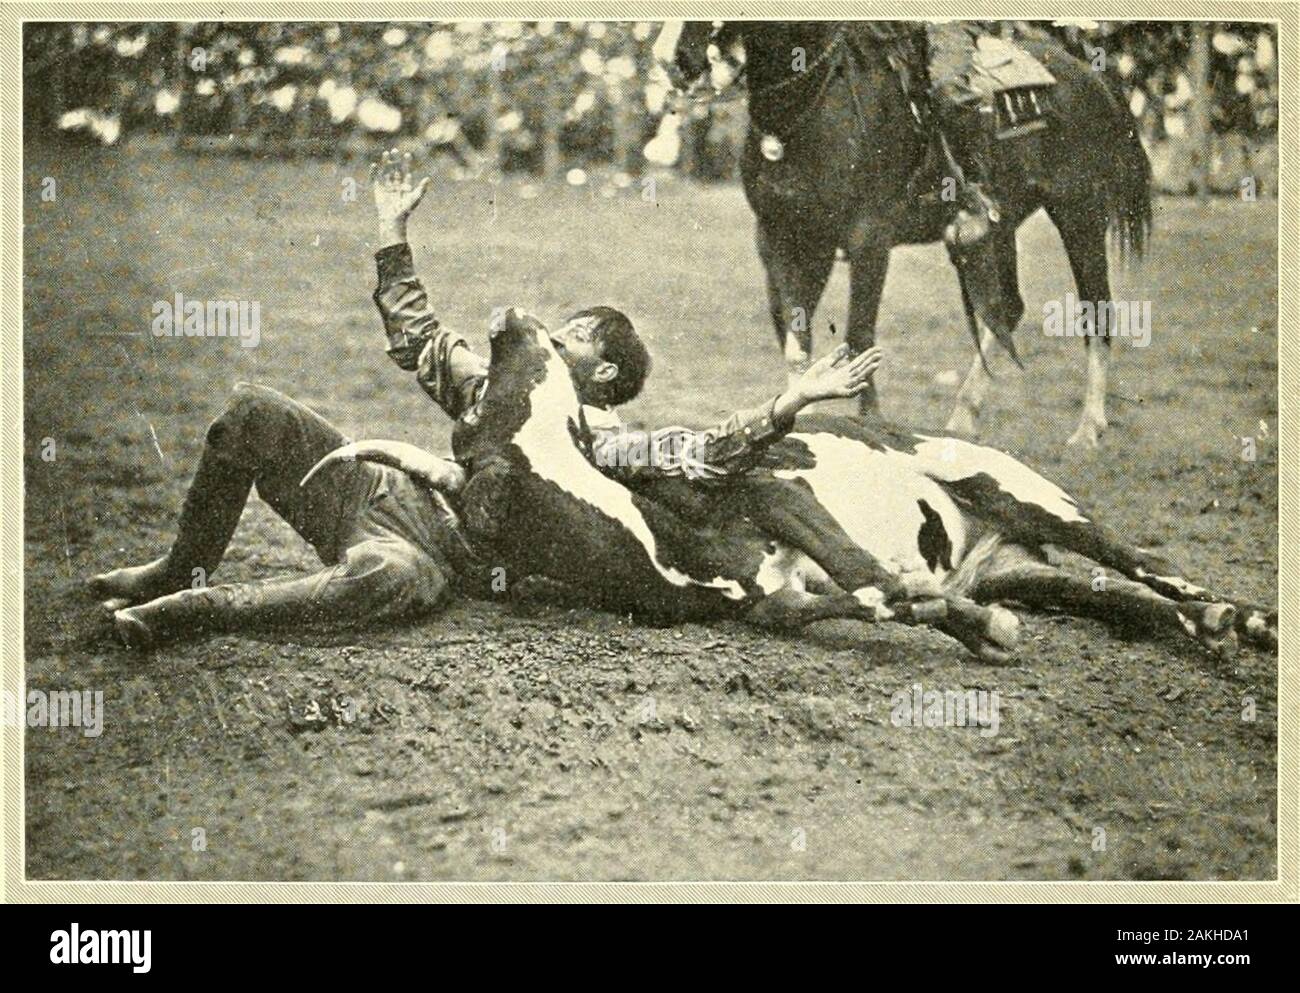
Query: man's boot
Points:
[376, 579]
[233, 606]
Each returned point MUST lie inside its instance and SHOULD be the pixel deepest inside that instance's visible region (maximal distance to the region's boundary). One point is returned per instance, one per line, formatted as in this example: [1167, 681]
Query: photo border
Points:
[1285, 888]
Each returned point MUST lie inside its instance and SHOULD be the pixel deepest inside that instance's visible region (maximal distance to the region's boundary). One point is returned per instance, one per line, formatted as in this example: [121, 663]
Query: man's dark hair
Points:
[619, 344]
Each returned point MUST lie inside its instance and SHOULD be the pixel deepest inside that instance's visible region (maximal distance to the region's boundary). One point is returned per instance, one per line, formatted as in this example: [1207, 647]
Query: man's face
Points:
[578, 343]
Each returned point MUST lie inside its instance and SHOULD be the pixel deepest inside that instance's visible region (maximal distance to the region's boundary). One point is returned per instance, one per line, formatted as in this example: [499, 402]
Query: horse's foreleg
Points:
[789, 512]
[989, 632]
[970, 398]
[792, 607]
[866, 282]
[796, 276]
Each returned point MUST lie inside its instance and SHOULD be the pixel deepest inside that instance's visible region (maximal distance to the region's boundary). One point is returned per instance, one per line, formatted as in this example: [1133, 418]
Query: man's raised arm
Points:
[737, 443]
[441, 359]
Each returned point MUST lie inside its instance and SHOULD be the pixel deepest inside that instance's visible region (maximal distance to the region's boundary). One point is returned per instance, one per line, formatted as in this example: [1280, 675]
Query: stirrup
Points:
[974, 221]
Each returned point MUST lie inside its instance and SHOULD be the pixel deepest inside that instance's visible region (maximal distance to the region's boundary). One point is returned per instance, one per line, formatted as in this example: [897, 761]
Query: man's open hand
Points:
[395, 195]
[839, 374]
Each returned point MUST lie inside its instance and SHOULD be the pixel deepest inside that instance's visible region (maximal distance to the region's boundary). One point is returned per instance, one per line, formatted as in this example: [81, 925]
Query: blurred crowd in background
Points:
[560, 99]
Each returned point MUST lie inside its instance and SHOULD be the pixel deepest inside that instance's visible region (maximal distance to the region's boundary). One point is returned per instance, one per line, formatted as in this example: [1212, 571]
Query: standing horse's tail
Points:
[1128, 194]
[1129, 197]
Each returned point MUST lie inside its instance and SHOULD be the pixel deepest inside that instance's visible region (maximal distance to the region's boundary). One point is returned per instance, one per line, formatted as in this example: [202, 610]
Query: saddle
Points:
[1013, 82]
[1004, 77]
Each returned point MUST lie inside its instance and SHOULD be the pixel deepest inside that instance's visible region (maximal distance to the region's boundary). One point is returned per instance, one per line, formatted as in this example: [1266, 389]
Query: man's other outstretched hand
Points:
[837, 375]
[840, 374]
[395, 195]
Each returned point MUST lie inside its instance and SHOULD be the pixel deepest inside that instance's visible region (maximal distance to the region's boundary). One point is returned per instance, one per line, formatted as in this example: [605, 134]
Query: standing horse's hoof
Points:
[963, 421]
[1086, 436]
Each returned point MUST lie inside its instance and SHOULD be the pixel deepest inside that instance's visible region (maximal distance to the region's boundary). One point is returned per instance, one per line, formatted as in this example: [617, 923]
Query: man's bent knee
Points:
[254, 417]
[247, 401]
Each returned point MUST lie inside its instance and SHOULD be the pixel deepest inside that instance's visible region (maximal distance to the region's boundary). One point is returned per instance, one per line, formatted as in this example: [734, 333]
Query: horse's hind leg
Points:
[797, 271]
[1255, 624]
[1132, 606]
[1083, 232]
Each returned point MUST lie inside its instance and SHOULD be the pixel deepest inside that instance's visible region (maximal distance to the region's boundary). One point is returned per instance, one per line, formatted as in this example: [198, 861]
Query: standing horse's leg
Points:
[868, 266]
[1084, 235]
[1093, 420]
[797, 272]
[970, 398]
[1008, 307]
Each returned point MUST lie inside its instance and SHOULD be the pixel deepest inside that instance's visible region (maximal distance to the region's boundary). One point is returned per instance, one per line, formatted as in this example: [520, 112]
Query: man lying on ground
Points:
[389, 545]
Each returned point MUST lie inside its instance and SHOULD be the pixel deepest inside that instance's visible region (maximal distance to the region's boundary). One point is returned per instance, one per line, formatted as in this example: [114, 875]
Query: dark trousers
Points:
[384, 543]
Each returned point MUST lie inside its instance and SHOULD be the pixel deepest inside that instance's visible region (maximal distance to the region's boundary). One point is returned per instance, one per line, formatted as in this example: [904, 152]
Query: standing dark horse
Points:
[831, 161]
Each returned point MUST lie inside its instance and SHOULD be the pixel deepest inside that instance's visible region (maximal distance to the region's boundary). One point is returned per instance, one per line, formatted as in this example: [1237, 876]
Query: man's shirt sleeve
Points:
[441, 359]
[729, 449]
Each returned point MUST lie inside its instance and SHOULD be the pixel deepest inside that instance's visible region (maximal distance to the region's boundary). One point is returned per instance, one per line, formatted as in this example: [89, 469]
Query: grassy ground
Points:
[496, 742]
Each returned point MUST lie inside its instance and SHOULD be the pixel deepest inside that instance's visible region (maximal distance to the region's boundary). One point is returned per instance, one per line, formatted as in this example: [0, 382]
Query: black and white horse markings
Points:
[535, 503]
[981, 522]
[825, 528]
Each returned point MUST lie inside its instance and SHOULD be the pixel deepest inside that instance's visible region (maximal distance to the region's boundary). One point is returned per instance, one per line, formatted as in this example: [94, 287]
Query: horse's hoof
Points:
[112, 605]
[1003, 628]
[873, 600]
[994, 656]
[1215, 627]
[989, 633]
[962, 421]
[132, 631]
[1217, 619]
[1258, 628]
[133, 584]
[1225, 648]
[1085, 437]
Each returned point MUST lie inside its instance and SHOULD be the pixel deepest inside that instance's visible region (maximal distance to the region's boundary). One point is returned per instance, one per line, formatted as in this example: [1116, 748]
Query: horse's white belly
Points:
[875, 496]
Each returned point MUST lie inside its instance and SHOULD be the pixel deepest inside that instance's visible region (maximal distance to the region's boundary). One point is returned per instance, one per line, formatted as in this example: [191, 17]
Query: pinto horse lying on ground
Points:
[840, 506]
